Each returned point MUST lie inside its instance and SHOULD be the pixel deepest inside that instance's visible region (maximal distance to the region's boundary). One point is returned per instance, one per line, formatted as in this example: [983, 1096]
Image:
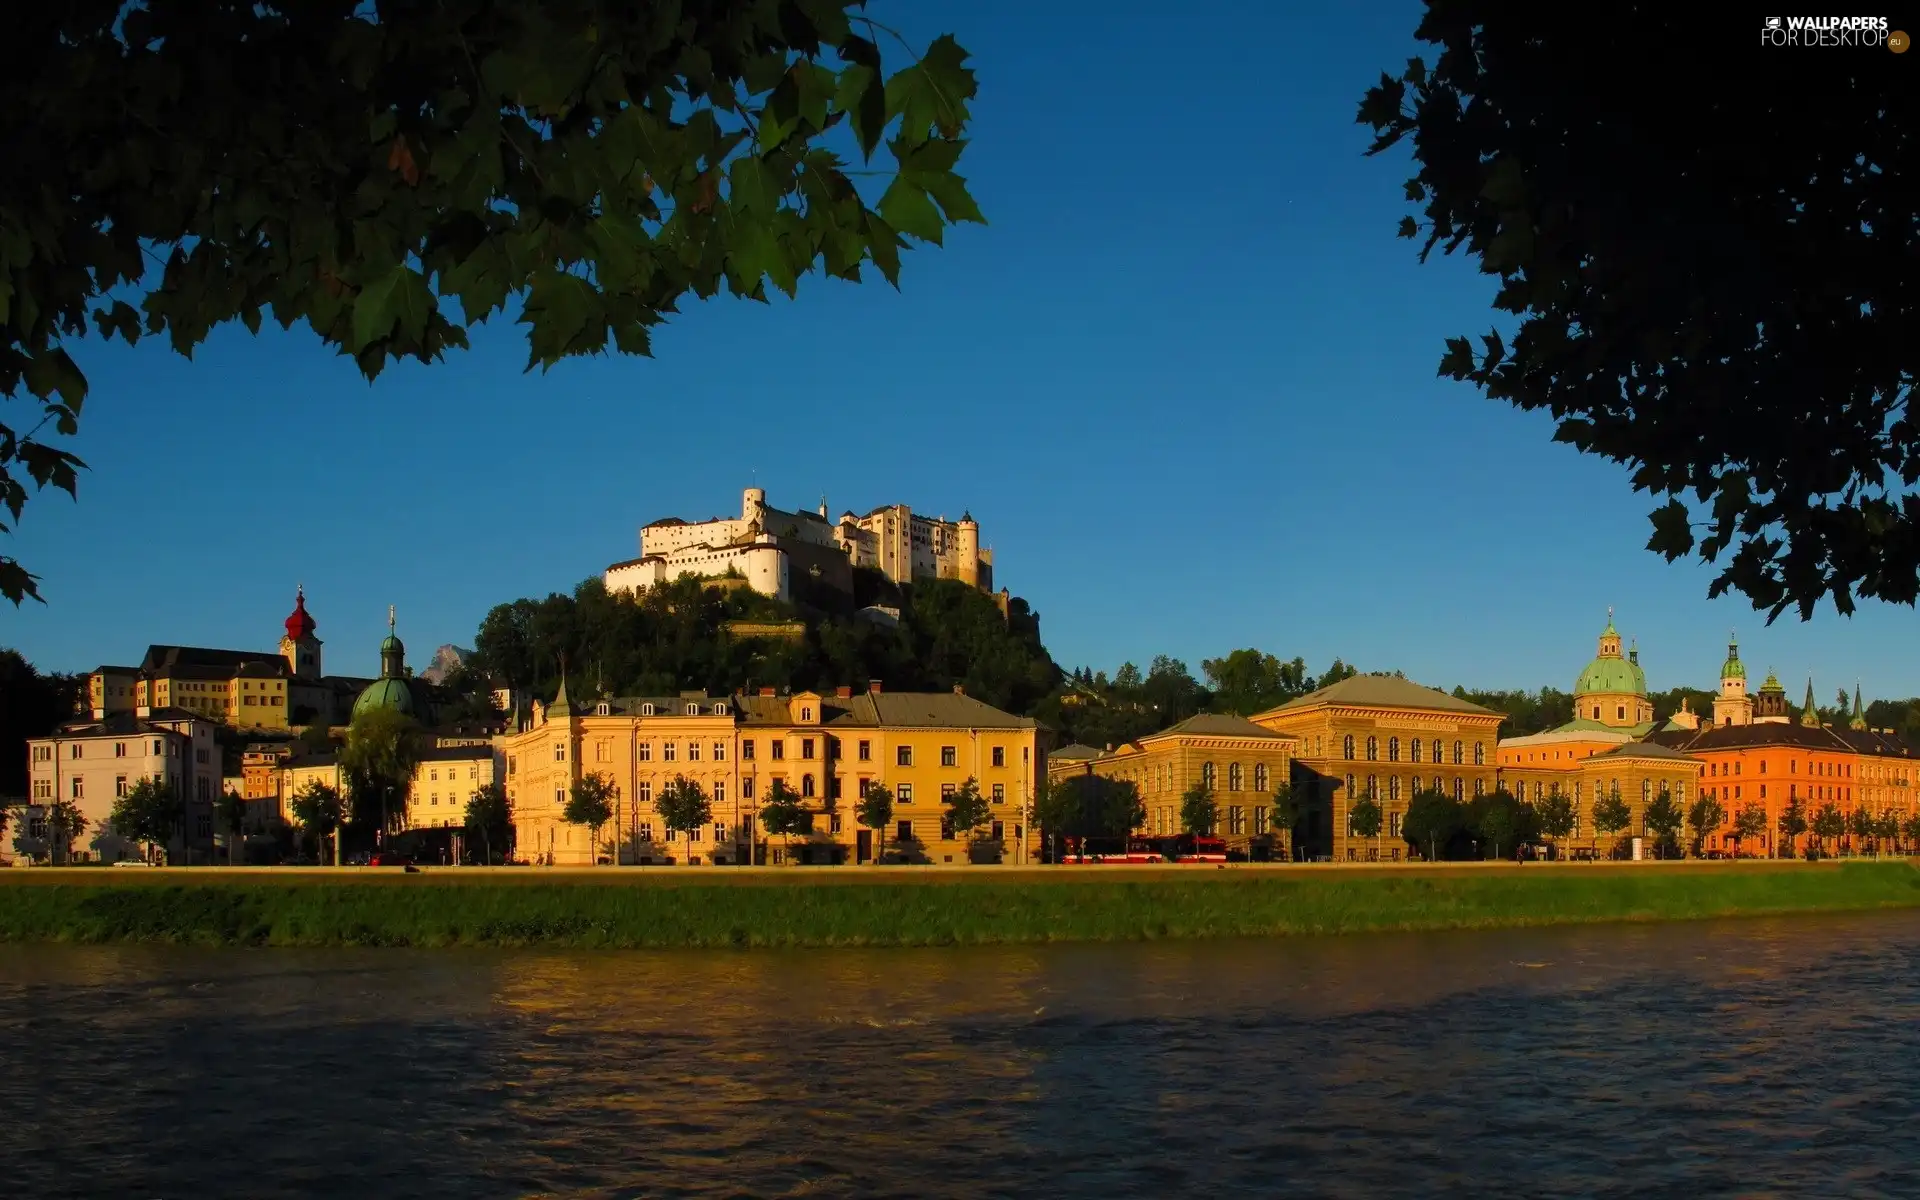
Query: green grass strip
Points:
[714, 909]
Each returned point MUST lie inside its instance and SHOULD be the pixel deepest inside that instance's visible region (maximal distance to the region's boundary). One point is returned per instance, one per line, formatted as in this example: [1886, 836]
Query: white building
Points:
[770, 549]
[92, 762]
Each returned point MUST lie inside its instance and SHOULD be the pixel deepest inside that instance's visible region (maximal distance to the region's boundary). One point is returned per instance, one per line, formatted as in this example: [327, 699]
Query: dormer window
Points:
[693, 710]
[719, 710]
[603, 709]
[806, 714]
[646, 710]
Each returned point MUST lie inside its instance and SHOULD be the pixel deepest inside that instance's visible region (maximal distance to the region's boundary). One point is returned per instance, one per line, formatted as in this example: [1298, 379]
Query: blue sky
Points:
[1184, 379]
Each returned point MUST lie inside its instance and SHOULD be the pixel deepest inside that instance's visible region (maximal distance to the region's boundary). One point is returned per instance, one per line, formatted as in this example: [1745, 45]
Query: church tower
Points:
[1770, 703]
[299, 647]
[1810, 715]
[1859, 720]
[1733, 706]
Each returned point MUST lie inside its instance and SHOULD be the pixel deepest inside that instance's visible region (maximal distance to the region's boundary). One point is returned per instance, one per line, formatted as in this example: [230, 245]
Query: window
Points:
[119, 785]
[1373, 749]
[719, 752]
[904, 793]
[1456, 790]
[1393, 823]
[1393, 749]
[645, 793]
[949, 756]
[559, 797]
[1349, 785]
[1646, 790]
[119, 749]
[999, 793]
[1236, 819]
[1479, 787]
[903, 832]
[559, 752]
[806, 785]
[1479, 755]
[746, 749]
[646, 831]
[865, 752]
[833, 822]
[746, 788]
[719, 710]
[79, 788]
[946, 829]
[999, 758]
[946, 792]
[433, 773]
[1413, 751]
[1234, 777]
[903, 756]
[1259, 777]
[719, 792]
[1620, 712]
[1346, 746]
[1259, 819]
[1373, 785]
[1393, 787]
[806, 714]
[719, 831]
[1456, 754]
[666, 751]
[778, 749]
[646, 710]
[806, 747]
[1207, 779]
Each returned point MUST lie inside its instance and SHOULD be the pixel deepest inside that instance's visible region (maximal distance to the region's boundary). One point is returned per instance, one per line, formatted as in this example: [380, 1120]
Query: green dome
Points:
[1609, 674]
[385, 693]
[392, 645]
[1772, 685]
[1733, 668]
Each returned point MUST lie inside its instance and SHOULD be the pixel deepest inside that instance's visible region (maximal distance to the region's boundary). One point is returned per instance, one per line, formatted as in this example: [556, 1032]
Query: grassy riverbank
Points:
[854, 907]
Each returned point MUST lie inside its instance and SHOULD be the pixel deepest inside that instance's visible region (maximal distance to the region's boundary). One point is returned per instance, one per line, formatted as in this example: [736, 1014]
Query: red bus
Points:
[1091, 850]
[1195, 848]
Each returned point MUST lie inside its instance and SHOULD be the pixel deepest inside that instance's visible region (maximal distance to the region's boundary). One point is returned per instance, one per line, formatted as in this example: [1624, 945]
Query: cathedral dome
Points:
[1733, 668]
[385, 693]
[1611, 675]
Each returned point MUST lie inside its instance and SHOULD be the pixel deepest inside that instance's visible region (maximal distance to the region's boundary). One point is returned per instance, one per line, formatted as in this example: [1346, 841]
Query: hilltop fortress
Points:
[769, 548]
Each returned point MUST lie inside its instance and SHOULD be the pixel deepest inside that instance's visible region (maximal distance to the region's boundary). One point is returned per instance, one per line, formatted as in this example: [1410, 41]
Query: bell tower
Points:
[299, 646]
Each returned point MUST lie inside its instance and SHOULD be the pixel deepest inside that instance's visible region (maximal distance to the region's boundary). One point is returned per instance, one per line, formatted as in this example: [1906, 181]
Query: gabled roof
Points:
[1217, 725]
[1384, 691]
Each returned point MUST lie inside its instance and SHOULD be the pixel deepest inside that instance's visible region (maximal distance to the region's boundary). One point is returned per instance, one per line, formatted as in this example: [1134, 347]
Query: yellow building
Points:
[826, 749]
[1384, 736]
[1240, 762]
[444, 780]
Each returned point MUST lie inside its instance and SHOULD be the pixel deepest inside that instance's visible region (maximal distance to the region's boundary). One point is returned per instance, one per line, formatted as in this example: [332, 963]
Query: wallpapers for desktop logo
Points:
[1834, 32]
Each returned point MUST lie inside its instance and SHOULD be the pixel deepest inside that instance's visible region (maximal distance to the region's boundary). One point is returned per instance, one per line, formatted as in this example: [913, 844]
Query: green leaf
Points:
[754, 187]
[951, 191]
[397, 298]
[1457, 362]
[907, 209]
[558, 308]
[1672, 530]
[1408, 227]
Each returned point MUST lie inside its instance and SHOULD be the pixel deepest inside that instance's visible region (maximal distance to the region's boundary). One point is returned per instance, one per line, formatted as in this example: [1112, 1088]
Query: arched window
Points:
[1479, 754]
[1646, 790]
[646, 710]
[1456, 787]
[806, 785]
[1346, 746]
[1373, 785]
[1393, 749]
[1456, 754]
[1413, 752]
[1373, 748]
[1234, 777]
[1349, 787]
[1479, 787]
[1207, 775]
[693, 710]
[1393, 787]
[1259, 777]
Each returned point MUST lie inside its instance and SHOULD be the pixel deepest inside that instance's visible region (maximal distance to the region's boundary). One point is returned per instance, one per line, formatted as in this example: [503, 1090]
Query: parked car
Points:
[387, 858]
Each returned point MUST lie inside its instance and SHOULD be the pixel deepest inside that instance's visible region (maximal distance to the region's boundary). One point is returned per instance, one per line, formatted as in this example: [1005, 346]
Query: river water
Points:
[1764, 1057]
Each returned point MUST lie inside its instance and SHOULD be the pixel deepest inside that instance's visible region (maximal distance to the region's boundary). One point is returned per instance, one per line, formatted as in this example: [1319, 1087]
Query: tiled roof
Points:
[1643, 751]
[1384, 691]
[1077, 753]
[1216, 725]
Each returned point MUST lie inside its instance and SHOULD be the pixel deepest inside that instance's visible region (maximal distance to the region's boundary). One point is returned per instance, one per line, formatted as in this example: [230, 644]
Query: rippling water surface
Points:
[1776, 1057]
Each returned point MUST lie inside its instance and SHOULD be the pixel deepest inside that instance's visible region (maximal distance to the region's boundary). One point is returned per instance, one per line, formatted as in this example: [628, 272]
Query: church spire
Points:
[1810, 715]
[1859, 713]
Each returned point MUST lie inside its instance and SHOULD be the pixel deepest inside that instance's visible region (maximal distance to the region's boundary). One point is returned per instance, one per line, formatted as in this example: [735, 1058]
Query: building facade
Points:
[1386, 737]
[1240, 762]
[826, 749]
[92, 762]
[772, 550]
[248, 689]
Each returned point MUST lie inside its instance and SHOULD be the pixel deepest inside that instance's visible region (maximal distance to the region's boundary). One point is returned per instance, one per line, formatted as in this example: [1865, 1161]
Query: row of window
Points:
[1234, 818]
[1414, 787]
[776, 752]
[1814, 792]
[1435, 748]
[1842, 770]
[453, 773]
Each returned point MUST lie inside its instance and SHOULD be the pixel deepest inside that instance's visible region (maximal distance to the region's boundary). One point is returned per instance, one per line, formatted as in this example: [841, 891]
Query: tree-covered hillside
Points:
[688, 636]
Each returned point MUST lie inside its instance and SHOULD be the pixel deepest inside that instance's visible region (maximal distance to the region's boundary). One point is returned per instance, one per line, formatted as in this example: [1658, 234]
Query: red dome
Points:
[299, 624]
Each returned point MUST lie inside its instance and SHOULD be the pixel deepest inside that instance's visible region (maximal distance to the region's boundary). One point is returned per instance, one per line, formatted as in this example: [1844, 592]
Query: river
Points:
[1762, 1057]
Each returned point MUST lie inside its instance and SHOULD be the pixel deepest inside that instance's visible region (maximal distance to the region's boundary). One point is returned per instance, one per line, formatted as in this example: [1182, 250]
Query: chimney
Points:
[766, 691]
[842, 693]
[873, 687]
